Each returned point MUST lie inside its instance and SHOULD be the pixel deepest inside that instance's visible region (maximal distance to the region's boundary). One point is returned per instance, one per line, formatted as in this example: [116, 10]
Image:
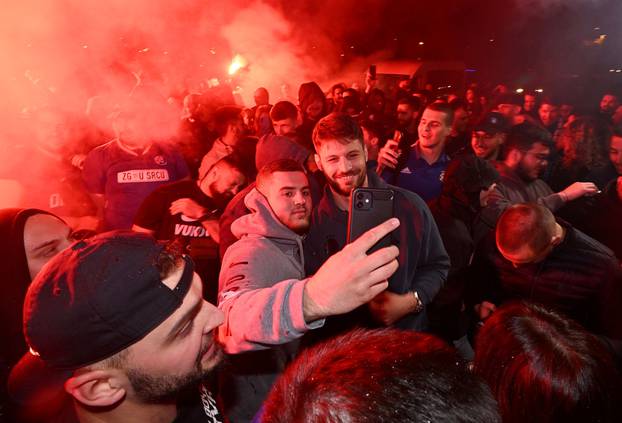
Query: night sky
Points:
[526, 43]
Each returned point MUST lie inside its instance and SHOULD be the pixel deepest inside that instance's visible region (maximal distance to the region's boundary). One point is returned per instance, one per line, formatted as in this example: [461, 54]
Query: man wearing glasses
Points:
[527, 155]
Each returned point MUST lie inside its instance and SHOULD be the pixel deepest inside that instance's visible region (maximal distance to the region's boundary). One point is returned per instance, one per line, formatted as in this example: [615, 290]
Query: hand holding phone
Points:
[369, 207]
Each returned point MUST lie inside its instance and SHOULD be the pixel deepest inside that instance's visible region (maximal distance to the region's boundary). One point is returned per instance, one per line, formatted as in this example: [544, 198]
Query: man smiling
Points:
[267, 301]
[341, 156]
[120, 322]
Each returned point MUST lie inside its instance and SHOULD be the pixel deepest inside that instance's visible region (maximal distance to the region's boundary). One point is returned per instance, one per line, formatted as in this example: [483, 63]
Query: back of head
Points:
[585, 142]
[525, 225]
[351, 106]
[382, 375]
[466, 176]
[336, 126]
[543, 367]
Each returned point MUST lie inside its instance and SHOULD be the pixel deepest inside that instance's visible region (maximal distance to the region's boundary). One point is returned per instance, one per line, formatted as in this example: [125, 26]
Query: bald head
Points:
[526, 233]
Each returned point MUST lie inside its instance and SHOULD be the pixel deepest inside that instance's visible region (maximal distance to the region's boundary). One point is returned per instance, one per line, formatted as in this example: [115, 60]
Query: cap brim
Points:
[33, 384]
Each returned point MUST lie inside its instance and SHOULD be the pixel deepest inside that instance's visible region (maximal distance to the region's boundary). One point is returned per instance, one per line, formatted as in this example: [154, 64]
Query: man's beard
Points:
[220, 199]
[524, 174]
[164, 389]
[337, 188]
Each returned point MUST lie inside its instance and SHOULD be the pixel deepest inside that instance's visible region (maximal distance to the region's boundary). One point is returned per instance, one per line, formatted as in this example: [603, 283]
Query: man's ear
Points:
[96, 388]
[298, 117]
[318, 162]
[513, 157]
[555, 240]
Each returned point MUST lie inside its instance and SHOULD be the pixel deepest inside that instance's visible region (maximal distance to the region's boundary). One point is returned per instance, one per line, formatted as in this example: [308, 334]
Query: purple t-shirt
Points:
[126, 179]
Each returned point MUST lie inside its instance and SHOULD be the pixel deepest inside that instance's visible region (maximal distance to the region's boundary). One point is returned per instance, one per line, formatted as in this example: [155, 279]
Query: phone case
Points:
[369, 207]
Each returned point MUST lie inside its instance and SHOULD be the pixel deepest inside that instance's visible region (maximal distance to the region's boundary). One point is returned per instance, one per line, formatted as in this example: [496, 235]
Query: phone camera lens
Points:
[360, 196]
[359, 204]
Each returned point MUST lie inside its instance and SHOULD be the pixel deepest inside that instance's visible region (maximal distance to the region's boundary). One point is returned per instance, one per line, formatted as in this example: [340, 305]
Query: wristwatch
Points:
[418, 304]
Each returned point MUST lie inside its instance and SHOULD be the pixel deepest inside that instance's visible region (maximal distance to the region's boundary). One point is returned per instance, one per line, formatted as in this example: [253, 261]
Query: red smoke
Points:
[79, 55]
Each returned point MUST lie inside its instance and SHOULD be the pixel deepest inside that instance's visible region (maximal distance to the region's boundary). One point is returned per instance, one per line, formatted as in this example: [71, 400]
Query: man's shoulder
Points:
[102, 150]
[253, 248]
[583, 245]
[175, 190]
[410, 199]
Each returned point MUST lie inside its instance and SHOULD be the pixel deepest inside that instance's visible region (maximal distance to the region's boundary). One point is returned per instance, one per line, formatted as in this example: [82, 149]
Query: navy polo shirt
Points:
[418, 176]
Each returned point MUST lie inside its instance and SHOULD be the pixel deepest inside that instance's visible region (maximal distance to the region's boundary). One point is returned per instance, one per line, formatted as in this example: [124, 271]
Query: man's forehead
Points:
[290, 179]
[340, 146]
[539, 146]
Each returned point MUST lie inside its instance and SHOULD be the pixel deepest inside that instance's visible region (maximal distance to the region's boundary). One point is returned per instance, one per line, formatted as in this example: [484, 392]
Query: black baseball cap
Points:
[492, 123]
[91, 301]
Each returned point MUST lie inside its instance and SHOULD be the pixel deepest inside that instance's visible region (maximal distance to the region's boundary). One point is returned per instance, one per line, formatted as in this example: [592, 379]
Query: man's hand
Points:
[213, 229]
[578, 190]
[388, 307]
[484, 310]
[350, 277]
[187, 207]
[389, 155]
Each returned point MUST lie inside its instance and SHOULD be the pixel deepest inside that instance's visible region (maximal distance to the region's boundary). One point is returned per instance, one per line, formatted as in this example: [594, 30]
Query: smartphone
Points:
[370, 207]
[372, 71]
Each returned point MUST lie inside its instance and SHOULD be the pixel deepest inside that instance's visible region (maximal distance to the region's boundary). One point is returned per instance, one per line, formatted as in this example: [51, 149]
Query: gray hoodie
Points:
[261, 282]
[260, 292]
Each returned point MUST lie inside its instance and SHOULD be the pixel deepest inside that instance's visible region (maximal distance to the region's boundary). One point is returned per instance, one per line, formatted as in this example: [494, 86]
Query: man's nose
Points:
[345, 165]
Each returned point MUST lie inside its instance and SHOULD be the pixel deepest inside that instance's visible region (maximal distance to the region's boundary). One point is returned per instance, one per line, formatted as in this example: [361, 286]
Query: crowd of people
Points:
[206, 275]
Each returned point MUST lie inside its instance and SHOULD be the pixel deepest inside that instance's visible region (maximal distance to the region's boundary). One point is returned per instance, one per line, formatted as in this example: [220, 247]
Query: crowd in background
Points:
[506, 277]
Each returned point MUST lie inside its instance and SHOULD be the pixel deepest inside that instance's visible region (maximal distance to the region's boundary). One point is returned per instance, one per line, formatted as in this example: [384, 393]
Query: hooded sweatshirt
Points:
[15, 281]
[260, 291]
[262, 282]
[308, 93]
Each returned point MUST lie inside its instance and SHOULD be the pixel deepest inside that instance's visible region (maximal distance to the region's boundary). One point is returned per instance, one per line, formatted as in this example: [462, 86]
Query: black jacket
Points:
[423, 261]
[580, 278]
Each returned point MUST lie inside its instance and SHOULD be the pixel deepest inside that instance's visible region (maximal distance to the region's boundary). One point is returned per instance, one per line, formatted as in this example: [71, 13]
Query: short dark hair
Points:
[350, 102]
[443, 108]
[544, 367]
[458, 103]
[523, 136]
[225, 116]
[525, 225]
[280, 165]
[232, 160]
[550, 101]
[385, 375]
[414, 103]
[284, 110]
[338, 85]
[336, 126]
[616, 131]
[611, 93]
